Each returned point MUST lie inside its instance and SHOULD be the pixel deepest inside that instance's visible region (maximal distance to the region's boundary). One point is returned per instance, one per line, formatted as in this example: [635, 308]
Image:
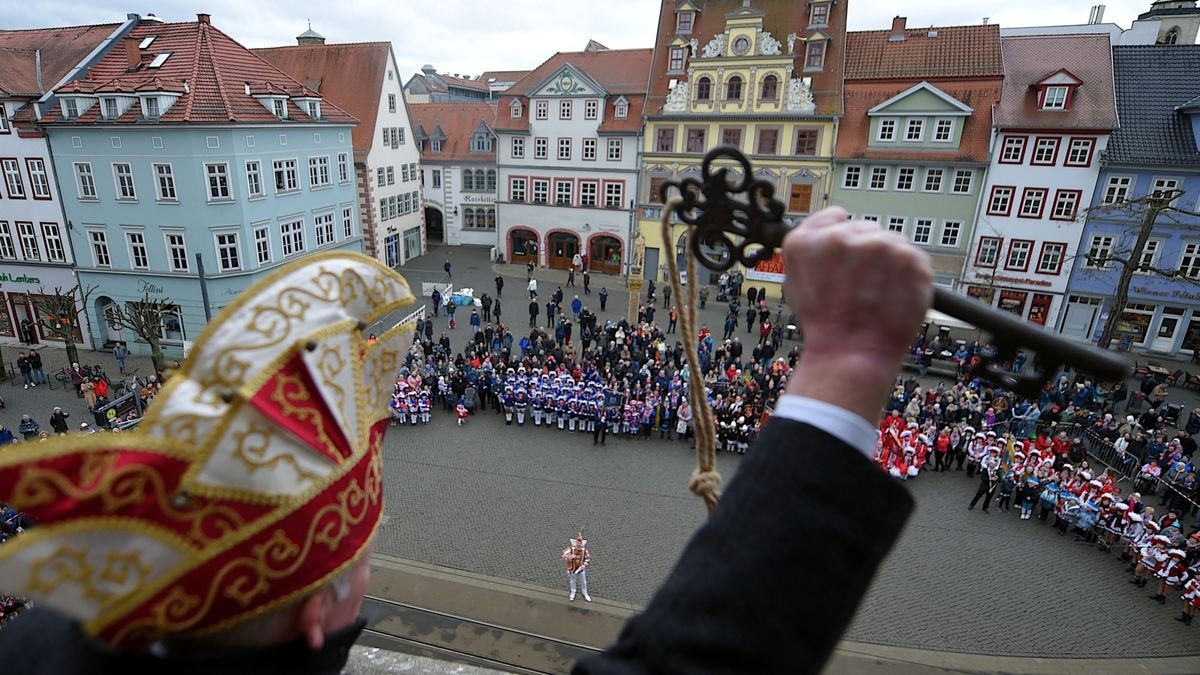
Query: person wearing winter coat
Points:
[28, 427]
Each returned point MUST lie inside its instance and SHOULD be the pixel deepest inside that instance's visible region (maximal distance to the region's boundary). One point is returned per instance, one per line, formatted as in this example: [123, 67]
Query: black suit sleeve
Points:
[773, 578]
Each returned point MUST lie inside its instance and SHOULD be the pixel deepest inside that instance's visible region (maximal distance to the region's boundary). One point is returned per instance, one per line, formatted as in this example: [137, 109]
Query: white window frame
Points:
[591, 109]
[565, 109]
[343, 167]
[517, 189]
[897, 224]
[323, 229]
[98, 243]
[923, 231]
[541, 110]
[119, 177]
[229, 250]
[1057, 102]
[951, 226]
[614, 149]
[1117, 189]
[589, 193]
[291, 233]
[262, 244]
[589, 149]
[1022, 249]
[1189, 260]
[8, 248]
[318, 172]
[139, 252]
[881, 172]
[564, 149]
[27, 237]
[614, 195]
[935, 174]
[85, 181]
[517, 147]
[964, 178]
[541, 148]
[918, 125]
[177, 253]
[849, 183]
[887, 125]
[291, 179]
[39, 180]
[1087, 144]
[13, 179]
[1101, 245]
[1047, 253]
[943, 130]
[906, 178]
[55, 247]
[254, 180]
[165, 189]
[347, 222]
[534, 184]
[216, 179]
[564, 197]
[1150, 256]
[1163, 183]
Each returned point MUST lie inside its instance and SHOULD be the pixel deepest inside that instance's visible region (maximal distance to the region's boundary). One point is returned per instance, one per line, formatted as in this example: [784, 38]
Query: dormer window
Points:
[675, 62]
[481, 143]
[279, 107]
[150, 107]
[313, 108]
[70, 107]
[622, 108]
[111, 110]
[818, 14]
[435, 146]
[514, 110]
[684, 21]
[1055, 98]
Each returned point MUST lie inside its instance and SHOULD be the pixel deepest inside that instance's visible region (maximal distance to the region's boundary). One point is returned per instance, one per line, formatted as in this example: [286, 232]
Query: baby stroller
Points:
[1171, 414]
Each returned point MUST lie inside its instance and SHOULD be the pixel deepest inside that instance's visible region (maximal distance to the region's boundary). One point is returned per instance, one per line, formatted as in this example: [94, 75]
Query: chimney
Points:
[898, 29]
[204, 18]
[133, 55]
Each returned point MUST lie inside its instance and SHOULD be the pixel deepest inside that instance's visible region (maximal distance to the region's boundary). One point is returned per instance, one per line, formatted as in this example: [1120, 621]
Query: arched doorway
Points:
[523, 246]
[110, 332]
[706, 276]
[561, 249]
[435, 225]
[604, 254]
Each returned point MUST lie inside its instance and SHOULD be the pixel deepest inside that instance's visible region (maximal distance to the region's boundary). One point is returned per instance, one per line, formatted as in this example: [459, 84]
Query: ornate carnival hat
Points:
[254, 479]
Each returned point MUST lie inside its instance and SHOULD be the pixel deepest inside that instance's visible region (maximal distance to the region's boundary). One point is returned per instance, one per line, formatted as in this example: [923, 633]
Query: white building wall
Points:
[1037, 230]
[384, 156]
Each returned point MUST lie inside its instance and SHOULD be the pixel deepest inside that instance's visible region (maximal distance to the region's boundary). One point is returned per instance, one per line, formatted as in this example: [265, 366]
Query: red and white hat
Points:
[1176, 553]
[1153, 525]
[1121, 506]
[254, 479]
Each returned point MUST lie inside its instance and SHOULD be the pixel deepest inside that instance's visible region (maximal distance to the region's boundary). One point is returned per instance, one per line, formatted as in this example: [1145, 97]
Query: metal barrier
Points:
[1128, 468]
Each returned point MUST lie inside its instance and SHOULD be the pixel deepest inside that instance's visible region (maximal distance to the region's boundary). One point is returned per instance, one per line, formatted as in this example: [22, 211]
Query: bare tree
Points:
[1148, 209]
[58, 313]
[145, 318]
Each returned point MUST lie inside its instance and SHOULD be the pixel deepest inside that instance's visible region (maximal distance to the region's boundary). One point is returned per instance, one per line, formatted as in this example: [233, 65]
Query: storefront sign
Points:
[982, 293]
[1013, 280]
[145, 287]
[1013, 301]
[768, 270]
[479, 199]
[1164, 293]
[21, 279]
[433, 202]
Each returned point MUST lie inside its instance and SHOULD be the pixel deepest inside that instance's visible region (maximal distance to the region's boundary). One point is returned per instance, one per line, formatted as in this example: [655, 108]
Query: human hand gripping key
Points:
[859, 294]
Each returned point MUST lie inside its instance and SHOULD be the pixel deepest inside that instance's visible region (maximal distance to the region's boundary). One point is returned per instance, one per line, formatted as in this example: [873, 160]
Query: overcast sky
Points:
[471, 36]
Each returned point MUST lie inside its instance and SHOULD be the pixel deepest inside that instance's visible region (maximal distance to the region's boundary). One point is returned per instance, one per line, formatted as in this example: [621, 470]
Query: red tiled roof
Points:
[620, 72]
[458, 121]
[61, 49]
[1029, 59]
[782, 17]
[979, 94]
[215, 67]
[340, 73]
[947, 51]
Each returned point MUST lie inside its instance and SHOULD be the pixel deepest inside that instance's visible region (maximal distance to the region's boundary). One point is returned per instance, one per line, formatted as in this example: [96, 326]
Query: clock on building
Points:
[741, 45]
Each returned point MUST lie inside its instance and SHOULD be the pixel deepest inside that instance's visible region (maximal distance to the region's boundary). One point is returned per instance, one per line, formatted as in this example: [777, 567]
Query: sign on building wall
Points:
[768, 270]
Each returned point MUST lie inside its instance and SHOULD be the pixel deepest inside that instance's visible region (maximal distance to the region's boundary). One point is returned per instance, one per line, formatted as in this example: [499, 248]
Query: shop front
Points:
[523, 246]
[561, 249]
[1038, 305]
[604, 254]
[20, 289]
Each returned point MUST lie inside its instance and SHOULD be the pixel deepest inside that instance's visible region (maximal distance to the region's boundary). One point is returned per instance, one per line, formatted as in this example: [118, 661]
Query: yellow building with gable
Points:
[763, 76]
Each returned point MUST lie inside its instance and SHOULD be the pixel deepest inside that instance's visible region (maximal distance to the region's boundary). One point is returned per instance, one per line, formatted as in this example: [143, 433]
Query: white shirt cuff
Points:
[840, 423]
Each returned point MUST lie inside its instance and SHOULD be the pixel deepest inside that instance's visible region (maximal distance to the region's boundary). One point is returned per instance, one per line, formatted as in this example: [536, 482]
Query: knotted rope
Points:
[705, 481]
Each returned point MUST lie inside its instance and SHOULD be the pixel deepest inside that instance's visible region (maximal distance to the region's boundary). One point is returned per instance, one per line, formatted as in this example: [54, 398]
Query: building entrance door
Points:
[1168, 329]
[1080, 317]
[563, 247]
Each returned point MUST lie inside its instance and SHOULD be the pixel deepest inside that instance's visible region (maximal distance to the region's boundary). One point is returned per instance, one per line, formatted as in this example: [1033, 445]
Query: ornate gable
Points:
[569, 81]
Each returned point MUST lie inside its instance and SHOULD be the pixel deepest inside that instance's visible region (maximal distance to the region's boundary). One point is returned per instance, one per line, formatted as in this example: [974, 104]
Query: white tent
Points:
[936, 318]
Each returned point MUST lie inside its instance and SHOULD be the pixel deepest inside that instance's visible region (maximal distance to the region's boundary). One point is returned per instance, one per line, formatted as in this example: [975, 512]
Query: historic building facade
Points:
[1050, 129]
[35, 253]
[768, 83]
[362, 78]
[458, 163]
[569, 134]
[430, 86]
[1154, 151]
[162, 159]
[912, 148]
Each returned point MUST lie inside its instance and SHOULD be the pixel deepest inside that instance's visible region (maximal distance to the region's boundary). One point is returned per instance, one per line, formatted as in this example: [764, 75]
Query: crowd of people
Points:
[578, 375]
[12, 523]
[1036, 458]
